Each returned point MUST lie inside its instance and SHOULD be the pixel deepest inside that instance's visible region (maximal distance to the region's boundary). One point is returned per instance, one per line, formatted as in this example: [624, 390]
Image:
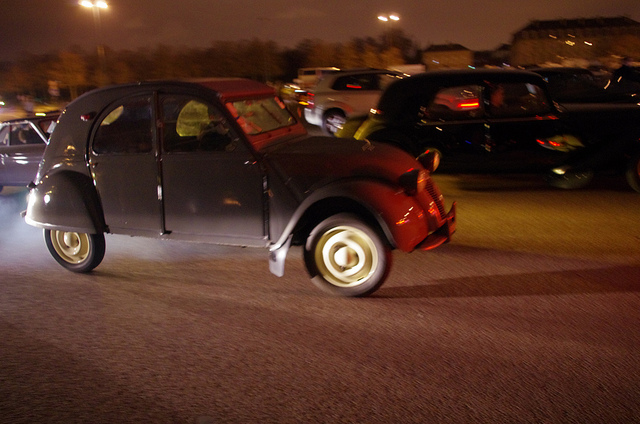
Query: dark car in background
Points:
[503, 121]
[580, 85]
[225, 162]
[22, 143]
[342, 94]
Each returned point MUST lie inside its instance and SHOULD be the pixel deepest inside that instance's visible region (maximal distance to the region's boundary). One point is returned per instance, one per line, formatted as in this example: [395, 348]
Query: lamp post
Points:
[96, 6]
[388, 19]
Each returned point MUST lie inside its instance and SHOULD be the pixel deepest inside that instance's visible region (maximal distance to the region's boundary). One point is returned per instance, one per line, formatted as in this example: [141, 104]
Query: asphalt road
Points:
[530, 315]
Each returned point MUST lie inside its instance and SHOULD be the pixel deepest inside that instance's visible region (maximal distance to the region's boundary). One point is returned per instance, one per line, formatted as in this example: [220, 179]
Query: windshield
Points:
[258, 116]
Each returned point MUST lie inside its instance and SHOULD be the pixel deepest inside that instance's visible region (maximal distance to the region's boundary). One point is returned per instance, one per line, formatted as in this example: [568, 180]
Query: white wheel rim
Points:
[71, 246]
[335, 122]
[346, 256]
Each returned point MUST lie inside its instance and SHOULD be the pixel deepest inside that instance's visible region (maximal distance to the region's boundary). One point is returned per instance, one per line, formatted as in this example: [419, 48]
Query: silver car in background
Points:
[342, 94]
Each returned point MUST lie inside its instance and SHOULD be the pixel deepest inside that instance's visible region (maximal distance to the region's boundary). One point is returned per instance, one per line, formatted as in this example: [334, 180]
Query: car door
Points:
[21, 149]
[212, 184]
[451, 119]
[518, 115]
[124, 165]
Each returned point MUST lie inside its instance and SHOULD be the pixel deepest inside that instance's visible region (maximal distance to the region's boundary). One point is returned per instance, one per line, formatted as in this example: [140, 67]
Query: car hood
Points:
[312, 162]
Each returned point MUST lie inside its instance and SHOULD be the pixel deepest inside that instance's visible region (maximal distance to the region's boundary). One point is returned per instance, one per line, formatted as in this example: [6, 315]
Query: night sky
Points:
[42, 26]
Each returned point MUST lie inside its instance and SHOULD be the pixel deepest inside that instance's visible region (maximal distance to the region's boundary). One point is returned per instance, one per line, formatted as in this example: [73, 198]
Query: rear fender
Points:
[65, 200]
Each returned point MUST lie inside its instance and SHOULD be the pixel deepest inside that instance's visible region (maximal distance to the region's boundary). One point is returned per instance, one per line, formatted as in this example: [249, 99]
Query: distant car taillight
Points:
[310, 100]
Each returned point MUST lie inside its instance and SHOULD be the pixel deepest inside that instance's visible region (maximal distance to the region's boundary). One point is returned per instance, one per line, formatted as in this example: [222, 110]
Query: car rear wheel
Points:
[633, 172]
[333, 121]
[78, 252]
[346, 257]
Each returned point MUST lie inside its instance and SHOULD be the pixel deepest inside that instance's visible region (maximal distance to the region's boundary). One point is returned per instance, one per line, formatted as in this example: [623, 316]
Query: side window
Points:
[128, 128]
[454, 103]
[24, 134]
[191, 125]
[357, 82]
[516, 99]
[4, 135]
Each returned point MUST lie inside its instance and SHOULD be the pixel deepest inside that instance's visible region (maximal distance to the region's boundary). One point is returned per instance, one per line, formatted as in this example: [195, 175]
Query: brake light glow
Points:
[473, 104]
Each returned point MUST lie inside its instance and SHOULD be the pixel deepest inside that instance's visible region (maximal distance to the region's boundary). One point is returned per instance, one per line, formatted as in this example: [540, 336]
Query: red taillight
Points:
[310, 100]
[470, 104]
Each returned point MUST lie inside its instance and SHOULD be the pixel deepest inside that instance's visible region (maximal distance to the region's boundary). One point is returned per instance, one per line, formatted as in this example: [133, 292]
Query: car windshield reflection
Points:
[261, 115]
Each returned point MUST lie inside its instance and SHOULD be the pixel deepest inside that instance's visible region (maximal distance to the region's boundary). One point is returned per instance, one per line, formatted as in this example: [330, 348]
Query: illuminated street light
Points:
[95, 7]
[389, 19]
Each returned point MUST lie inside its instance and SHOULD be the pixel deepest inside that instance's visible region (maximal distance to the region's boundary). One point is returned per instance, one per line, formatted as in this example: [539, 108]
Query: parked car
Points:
[22, 143]
[342, 94]
[309, 77]
[224, 161]
[579, 85]
[503, 121]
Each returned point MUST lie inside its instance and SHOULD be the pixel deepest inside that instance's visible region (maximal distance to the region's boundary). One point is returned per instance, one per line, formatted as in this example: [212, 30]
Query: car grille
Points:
[436, 196]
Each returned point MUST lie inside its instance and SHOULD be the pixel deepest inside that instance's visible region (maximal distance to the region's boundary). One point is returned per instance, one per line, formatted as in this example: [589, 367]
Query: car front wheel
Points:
[633, 172]
[78, 252]
[346, 257]
[333, 121]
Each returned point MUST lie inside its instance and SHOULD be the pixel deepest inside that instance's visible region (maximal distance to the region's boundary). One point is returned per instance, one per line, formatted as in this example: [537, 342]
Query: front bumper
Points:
[441, 235]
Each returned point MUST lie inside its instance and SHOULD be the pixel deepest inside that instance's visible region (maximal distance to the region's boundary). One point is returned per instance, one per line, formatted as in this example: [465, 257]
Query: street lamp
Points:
[96, 6]
[388, 19]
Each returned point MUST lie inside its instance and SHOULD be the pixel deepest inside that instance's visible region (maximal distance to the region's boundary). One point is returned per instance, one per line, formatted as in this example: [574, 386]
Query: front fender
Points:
[65, 200]
[402, 218]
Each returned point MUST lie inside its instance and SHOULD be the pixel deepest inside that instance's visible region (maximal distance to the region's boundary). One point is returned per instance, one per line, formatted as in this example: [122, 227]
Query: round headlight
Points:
[414, 181]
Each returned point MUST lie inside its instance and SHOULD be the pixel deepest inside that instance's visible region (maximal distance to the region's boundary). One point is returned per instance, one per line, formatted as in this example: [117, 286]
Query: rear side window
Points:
[127, 128]
[516, 99]
[453, 103]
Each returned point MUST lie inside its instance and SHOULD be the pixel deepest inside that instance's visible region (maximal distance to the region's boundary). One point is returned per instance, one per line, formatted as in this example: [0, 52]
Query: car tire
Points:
[633, 172]
[332, 121]
[347, 257]
[77, 252]
[571, 180]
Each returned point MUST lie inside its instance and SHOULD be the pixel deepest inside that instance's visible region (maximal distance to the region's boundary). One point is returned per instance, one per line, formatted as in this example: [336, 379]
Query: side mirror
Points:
[430, 159]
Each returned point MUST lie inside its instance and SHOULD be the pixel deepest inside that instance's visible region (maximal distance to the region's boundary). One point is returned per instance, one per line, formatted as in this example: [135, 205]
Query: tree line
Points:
[68, 73]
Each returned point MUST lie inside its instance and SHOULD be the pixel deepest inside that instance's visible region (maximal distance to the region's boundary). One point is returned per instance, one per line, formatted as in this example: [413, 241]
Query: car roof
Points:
[561, 71]
[328, 80]
[226, 88]
[235, 88]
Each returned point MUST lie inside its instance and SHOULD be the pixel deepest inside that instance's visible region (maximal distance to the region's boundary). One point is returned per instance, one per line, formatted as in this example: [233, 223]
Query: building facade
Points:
[447, 56]
[576, 42]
